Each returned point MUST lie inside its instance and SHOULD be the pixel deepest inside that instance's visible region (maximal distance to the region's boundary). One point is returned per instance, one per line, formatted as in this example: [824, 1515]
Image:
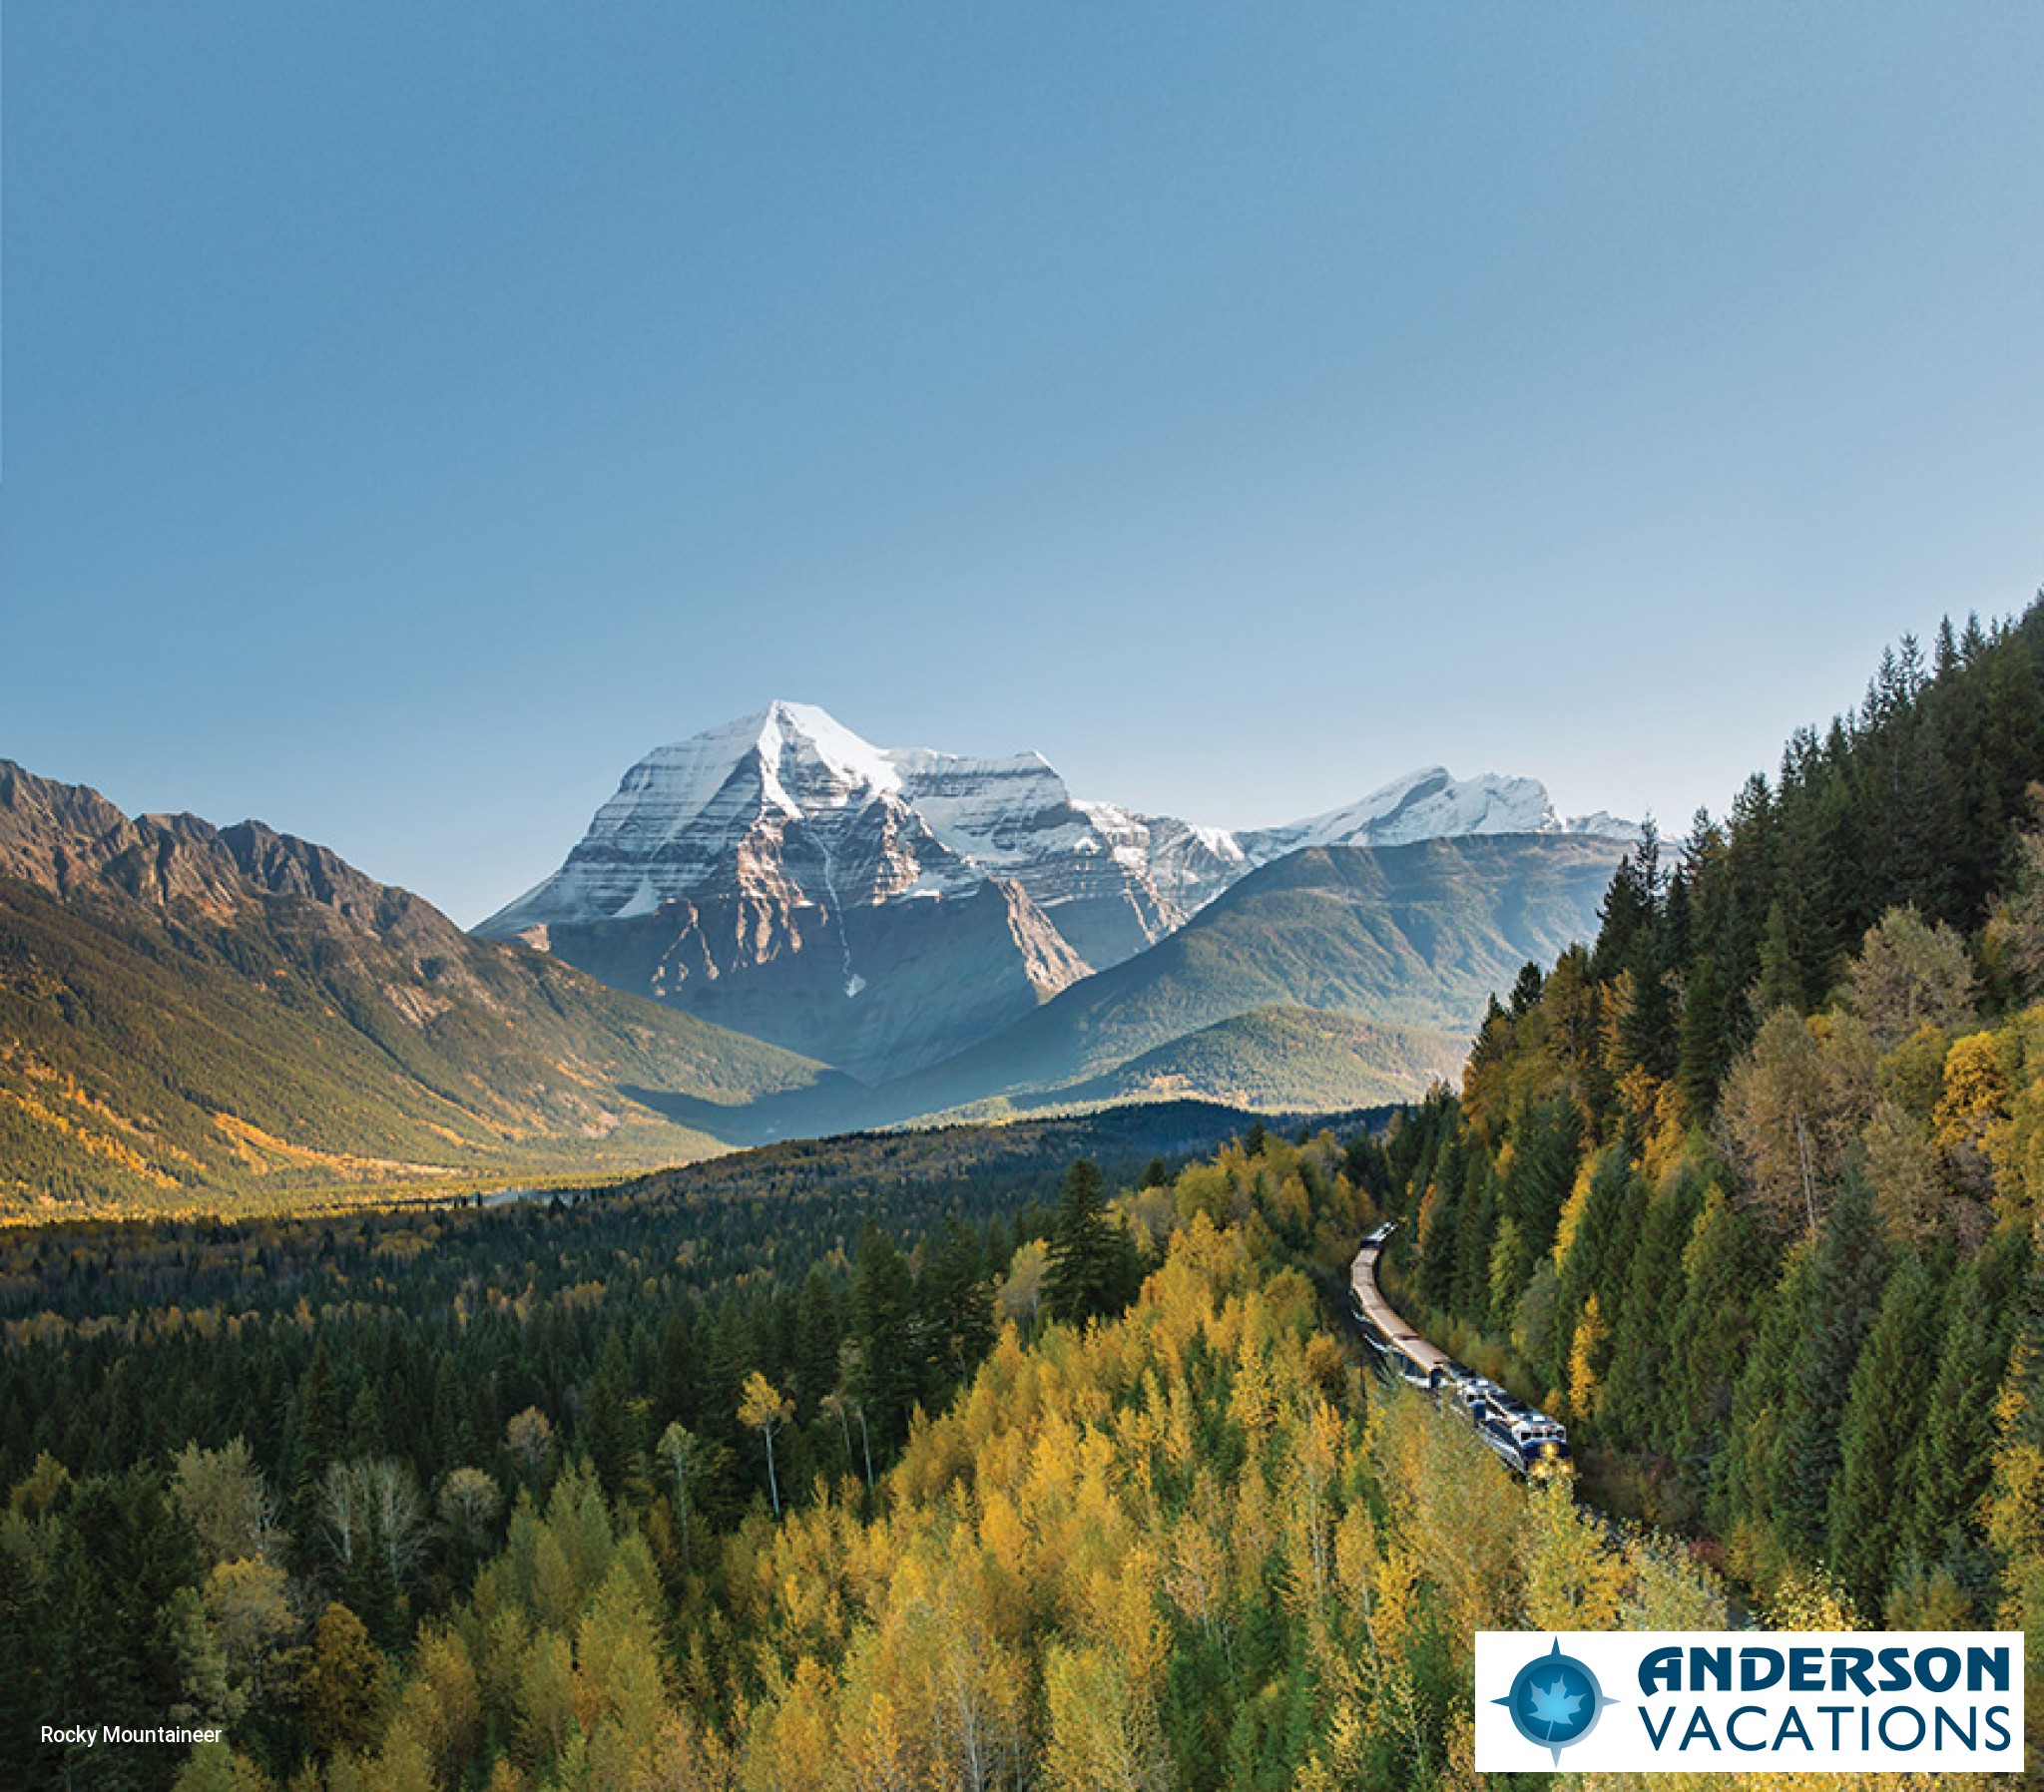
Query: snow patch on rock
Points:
[793, 806]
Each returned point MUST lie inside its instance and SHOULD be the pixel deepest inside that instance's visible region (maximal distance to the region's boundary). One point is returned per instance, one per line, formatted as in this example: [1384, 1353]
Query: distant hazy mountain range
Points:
[1364, 968]
[883, 910]
[856, 938]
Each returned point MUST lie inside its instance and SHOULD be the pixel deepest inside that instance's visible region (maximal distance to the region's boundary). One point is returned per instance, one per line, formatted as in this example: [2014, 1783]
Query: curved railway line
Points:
[1527, 1441]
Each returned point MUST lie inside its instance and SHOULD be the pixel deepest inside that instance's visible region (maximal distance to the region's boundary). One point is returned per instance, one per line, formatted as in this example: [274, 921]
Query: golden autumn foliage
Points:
[1167, 1550]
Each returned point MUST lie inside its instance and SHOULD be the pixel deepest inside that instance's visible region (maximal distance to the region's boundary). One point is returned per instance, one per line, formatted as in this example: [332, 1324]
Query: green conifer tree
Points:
[1750, 1468]
[1845, 1291]
[1883, 1409]
[1954, 1453]
[1640, 1360]
[955, 1298]
[1476, 1231]
[1093, 1270]
[890, 1360]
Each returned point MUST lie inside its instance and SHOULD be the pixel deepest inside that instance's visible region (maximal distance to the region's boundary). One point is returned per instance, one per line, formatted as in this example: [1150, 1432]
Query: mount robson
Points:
[773, 930]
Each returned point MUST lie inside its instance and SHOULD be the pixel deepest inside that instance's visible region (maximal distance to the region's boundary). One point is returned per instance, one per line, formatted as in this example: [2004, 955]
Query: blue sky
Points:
[413, 414]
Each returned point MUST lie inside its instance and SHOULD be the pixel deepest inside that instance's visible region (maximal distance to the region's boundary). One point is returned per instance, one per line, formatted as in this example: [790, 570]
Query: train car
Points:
[1525, 1438]
[1401, 1353]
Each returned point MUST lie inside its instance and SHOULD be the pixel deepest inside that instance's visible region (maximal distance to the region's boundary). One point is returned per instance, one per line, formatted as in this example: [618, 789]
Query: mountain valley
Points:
[188, 1009]
[773, 931]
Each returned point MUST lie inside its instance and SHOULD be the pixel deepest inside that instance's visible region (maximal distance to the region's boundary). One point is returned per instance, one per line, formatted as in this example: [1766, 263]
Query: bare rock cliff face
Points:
[67, 839]
[881, 909]
[877, 910]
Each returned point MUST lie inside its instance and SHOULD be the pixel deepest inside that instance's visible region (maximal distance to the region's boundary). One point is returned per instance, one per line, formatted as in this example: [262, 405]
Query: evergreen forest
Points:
[918, 1460]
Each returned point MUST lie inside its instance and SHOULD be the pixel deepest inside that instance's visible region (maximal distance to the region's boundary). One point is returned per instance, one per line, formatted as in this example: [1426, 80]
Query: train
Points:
[1525, 1438]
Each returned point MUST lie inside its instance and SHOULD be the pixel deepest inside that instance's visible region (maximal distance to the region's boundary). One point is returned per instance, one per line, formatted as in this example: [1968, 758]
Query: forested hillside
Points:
[711, 1484]
[1408, 939]
[230, 1019]
[1746, 1191]
[535, 1509]
[195, 1017]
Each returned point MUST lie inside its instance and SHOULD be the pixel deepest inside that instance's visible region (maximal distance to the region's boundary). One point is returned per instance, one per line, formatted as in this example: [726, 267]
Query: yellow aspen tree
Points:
[871, 1744]
[1571, 1213]
[691, 1759]
[1576, 1579]
[1809, 1600]
[556, 1597]
[2012, 1514]
[1196, 1571]
[220, 1496]
[504, 1637]
[617, 1668]
[544, 1715]
[1004, 1536]
[765, 1409]
[1583, 1387]
[1100, 1737]
[342, 1683]
[2012, 1518]
[444, 1667]
[578, 1516]
[1671, 1592]
[948, 1669]
[528, 1439]
[250, 1603]
[1123, 1605]
[1453, 1506]
[1251, 1403]
[1311, 1463]
[214, 1767]
[403, 1763]
[1975, 1093]
[793, 1746]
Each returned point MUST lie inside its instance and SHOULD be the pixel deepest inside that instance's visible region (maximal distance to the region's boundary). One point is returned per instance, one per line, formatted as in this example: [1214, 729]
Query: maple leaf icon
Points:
[1554, 1705]
[1559, 1709]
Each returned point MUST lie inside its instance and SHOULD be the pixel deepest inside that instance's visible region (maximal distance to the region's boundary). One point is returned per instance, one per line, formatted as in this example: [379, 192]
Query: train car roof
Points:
[1393, 1332]
[1384, 1319]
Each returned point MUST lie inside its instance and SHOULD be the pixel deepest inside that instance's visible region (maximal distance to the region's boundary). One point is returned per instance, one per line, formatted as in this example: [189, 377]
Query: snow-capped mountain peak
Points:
[791, 746]
[805, 733]
[791, 805]
[780, 864]
[1428, 804]
[885, 823]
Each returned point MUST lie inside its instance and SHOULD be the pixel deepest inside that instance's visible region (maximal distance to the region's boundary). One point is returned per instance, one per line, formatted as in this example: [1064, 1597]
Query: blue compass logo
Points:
[1554, 1700]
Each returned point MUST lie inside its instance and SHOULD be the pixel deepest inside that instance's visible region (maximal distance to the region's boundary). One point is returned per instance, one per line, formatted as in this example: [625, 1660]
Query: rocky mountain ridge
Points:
[884, 908]
[186, 1008]
[1411, 939]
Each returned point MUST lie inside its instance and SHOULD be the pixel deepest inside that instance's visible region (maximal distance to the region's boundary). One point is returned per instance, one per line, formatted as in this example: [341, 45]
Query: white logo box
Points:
[1798, 1701]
